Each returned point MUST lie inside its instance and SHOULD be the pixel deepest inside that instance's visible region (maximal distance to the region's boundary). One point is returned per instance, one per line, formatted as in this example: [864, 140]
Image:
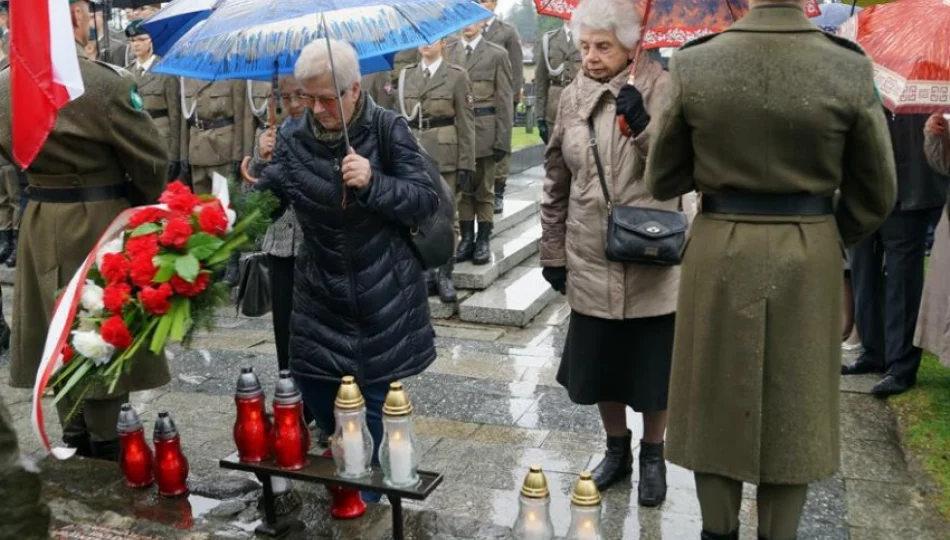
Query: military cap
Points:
[135, 29]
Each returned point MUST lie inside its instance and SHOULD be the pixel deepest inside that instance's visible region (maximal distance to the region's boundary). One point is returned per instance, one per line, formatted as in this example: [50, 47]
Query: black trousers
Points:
[282, 304]
[887, 273]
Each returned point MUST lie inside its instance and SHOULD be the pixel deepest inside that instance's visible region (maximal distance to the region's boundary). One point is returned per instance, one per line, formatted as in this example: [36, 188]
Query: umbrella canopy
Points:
[673, 23]
[834, 15]
[247, 39]
[909, 42]
[174, 20]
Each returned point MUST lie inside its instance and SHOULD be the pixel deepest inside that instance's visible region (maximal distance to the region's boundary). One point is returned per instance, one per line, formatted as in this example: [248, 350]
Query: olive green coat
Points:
[215, 101]
[559, 61]
[446, 94]
[764, 108]
[255, 117]
[99, 139]
[381, 88]
[162, 100]
[490, 73]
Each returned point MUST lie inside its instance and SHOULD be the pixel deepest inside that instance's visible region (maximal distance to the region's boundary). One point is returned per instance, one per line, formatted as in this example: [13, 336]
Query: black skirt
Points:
[626, 361]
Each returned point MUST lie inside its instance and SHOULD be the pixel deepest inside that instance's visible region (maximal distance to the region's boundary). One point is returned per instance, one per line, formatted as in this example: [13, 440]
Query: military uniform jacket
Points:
[381, 88]
[217, 101]
[764, 108]
[99, 139]
[162, 101]
[255, 117]
[506, 36]
[490, 72]
[560, 61]
[447, 94]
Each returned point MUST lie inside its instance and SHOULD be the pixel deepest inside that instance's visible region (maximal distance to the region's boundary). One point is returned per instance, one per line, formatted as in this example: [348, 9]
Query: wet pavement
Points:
[487, 409]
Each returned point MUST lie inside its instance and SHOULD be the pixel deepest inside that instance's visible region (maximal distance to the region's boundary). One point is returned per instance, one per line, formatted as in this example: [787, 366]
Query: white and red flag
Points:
[44, 71]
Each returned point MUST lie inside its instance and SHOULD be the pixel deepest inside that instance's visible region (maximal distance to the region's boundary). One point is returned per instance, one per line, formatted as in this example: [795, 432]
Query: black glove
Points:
[186, 174]
[498, 155]
[465, 181]
[236, 170]
[631, 109]
[543, 130]
[557, 277]
[174, 170]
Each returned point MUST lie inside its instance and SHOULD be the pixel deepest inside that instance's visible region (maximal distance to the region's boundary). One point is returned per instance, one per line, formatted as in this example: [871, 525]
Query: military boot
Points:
[482, 253]
[651, 491]
[467, 245]
[444, 283]
[11, 262]
[617, 463]
[6, 245]
[713, 536]
[4, 334]
[105, 450]
[499, 197]
[80, 443]
[431, 282]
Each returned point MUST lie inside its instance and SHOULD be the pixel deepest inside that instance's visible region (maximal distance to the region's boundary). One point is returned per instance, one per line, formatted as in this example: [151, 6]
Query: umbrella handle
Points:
[336, 86]
[643, 31]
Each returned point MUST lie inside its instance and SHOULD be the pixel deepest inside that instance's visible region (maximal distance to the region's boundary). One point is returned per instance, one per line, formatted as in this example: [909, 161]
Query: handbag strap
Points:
[598, 163]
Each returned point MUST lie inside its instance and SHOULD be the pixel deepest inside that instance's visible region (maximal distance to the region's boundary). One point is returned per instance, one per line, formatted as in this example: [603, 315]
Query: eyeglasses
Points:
[326, 102]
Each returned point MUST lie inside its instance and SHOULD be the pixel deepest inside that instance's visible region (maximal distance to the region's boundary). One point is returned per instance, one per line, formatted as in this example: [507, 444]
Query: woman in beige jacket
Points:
[933, 323]
[620, 337]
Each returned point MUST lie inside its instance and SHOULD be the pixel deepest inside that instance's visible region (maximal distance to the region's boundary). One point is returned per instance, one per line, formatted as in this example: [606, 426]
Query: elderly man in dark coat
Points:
[757, 354]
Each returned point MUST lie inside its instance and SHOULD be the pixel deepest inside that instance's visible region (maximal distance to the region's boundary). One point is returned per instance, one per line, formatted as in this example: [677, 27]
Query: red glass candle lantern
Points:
[171, 466]
[251, 426]
[290, 438]
[135, 456]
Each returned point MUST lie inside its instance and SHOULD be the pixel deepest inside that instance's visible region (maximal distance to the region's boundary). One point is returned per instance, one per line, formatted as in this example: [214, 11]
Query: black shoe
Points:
[11, 262]
[444, 285]
[467, 244]
[105, 450]
[6, 245]
[891, 386]
[431, 282]
[482, 247]
[651, 491]
[499, 197]
[80, 443]
[863, 365]
[713, 536]
[617, 463]
[4, 335]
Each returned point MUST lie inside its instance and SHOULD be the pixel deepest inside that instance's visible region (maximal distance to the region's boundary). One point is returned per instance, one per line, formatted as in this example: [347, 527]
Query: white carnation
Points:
[91, 299]
[112, 246]
[92, 346]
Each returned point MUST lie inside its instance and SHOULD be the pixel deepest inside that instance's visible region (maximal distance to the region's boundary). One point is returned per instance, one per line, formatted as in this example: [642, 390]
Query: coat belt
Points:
[484, 111]
[205, 125]
[767, 204]
[431, 123]
[158, 113]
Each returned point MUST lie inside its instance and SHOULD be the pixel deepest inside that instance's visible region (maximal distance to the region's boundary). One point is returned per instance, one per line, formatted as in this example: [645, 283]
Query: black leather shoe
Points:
[467, 244]
[6, 245]
[863, 365]
[444, 285]
[430, 282]
[80, 443]
[482, 253]
[11, 262]
[499, 197]
[4, 335]
[713, 536]
[105, 450]
[651, 491]
[891, 386]
[617, 463]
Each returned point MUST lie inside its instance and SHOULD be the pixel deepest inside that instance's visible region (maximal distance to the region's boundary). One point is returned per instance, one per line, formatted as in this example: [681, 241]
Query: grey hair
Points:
[616, 16]
[314, 61]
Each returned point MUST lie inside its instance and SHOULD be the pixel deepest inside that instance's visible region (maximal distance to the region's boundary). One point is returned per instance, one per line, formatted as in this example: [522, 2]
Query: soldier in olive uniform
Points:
[383, 86]
[490, 73]
[258, 101]
[9, 192]
[436, 97]
[23, 515]
[213, 132]
[506, 35]
[160, 96]
[102, 157]
[117, 51]
[559, 63]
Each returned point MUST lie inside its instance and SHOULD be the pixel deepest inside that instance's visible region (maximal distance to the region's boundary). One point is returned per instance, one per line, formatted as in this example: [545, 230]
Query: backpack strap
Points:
[384, 134]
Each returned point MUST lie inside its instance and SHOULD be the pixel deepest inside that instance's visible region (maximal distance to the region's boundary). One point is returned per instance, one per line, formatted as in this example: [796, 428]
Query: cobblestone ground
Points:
[487, 409]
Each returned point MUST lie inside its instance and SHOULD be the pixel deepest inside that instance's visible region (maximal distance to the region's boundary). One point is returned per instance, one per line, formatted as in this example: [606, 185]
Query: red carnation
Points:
[176, 234]
[179, 198]
[147, 215]
[155, 299]
[143, 270]
[115, 296]
[114, 267]
[115, 333]
[184, 288]
[142, 246]
[68, 354]
[212, 219]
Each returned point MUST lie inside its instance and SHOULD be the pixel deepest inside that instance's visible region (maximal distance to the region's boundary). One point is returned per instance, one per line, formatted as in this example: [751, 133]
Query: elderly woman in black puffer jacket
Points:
[360, 304]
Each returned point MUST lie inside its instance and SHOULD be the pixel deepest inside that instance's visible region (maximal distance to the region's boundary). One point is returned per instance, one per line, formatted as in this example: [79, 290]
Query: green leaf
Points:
[203, 245]
[161, 332]
[187, 267]
[165, 273]
[225, 251]
[182, 314]
[145, 228]
[74, 380]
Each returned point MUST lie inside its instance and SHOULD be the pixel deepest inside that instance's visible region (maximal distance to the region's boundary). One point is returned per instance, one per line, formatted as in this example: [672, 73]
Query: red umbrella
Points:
[909, 42]
[671, 23]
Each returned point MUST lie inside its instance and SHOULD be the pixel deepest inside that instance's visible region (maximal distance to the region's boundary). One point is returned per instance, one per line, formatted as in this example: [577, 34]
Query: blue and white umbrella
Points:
[834, 15]
[174, 20]
[248, 39]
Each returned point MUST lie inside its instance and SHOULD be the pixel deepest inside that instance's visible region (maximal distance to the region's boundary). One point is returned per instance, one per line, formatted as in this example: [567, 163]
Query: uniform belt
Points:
[205, 125]
[158, 113]
[767, 204]
[76, 194]
[484, 111]
[431, 123]
[557, 82]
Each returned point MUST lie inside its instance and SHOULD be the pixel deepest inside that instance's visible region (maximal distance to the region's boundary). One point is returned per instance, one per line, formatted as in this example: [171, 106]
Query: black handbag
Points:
[636, 234]
[433, 242]
[254, 294]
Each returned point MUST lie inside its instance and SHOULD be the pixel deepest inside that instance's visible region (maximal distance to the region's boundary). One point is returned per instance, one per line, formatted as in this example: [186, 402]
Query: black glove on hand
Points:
[465, 181]
[543, 130]
[557, 277]
[186, 174]
[631, 108]
[499, 155]
[174, 170]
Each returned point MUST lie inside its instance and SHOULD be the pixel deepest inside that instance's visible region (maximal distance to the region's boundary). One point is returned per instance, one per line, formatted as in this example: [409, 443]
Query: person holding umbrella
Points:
[933, 324]
[754, 388]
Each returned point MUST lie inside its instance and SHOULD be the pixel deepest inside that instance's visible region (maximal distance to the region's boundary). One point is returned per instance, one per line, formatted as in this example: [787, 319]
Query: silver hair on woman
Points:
[314, 61]
[619, 17]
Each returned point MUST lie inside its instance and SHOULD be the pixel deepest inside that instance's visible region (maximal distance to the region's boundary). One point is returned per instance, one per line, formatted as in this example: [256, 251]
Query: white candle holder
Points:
[398, 453]
[585, 510]
[352, 444]
[534, 508]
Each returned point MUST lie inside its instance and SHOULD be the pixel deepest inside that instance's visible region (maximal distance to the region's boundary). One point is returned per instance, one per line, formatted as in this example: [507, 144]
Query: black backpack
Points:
[433, 241]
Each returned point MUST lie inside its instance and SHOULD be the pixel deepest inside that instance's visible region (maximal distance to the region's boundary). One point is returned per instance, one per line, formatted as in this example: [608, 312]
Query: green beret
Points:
[135, 29]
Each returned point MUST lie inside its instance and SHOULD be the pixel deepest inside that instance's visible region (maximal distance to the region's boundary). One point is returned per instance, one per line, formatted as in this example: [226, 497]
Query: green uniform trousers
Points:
[482, 202]
[780, 506]
[9, 199]
[501, 169]
[97, 417]
[201, 177]
[450, 180]
[22, 515]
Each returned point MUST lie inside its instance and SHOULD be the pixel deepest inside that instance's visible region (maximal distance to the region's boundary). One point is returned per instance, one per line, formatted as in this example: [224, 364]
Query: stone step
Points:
[440, 310]
[516, 211]
[6, 275]
[509, 249]
[513, 300]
